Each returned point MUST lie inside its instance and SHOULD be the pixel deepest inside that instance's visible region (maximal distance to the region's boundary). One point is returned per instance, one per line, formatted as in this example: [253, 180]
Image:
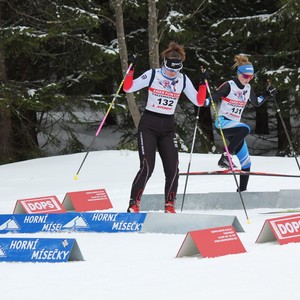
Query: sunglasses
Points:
[246, 76]
[178, 62]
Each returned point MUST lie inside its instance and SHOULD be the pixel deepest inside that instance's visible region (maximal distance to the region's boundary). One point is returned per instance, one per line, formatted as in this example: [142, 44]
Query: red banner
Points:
[41, 205]
[87, 200]
[283, 229]
[211, 242]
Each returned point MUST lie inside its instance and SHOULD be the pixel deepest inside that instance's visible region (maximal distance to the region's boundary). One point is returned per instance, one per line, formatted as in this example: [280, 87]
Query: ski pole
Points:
[102, 122]
[226, 149]
[191, 153]
[273, 95]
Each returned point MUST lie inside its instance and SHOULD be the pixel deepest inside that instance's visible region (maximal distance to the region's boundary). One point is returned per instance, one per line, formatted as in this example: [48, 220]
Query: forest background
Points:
[62, 62]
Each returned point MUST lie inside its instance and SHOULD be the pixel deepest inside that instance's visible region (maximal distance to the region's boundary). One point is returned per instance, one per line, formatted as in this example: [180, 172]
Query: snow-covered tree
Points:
[57, 56]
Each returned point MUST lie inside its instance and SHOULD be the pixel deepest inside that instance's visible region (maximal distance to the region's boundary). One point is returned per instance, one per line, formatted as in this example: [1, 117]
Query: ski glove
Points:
[133, 59]
[270, 89]
[267, 94]
[203, 75]
[207, 102]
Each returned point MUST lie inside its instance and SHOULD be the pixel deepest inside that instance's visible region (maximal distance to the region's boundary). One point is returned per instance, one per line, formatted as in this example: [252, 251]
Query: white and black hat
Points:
[173, 63]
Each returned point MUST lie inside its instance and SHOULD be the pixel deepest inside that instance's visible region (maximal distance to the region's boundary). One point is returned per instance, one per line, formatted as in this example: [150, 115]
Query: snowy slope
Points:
[143, 266]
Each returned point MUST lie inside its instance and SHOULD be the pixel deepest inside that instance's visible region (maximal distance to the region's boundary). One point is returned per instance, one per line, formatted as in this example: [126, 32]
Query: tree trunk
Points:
[152, 35]
[117, 5]
[5, 120]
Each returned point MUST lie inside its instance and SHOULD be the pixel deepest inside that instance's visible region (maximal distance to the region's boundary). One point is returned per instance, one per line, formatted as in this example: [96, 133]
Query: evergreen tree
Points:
[269, 33]
[57, 56]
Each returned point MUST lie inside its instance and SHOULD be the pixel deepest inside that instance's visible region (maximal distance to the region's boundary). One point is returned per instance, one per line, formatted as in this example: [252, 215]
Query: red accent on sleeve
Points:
[128, 81]
[201, 96]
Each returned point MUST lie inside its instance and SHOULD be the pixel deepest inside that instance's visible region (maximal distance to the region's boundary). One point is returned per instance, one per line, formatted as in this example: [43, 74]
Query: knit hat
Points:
[245, 69]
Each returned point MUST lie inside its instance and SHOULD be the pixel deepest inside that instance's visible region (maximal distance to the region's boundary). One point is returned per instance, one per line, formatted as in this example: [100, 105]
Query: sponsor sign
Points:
[39, 250]
[87, 200]
[72, 221]
[283, 229]
[46, 205]
[211, 242]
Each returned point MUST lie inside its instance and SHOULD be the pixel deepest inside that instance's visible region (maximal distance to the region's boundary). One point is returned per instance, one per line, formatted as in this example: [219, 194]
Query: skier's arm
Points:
[196, 97]
[256, 101]
[222, 91]
[141, 82]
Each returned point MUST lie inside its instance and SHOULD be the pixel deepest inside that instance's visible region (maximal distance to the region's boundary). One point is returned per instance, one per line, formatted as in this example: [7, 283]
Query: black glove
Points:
[270, 89]
[203, 75]
[133, 59]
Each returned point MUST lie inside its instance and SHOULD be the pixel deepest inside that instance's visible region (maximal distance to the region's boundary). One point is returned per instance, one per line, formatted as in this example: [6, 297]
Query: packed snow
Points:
[144, 265]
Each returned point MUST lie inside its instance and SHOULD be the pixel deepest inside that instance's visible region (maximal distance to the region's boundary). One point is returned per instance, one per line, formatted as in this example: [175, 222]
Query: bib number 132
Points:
[165, 102]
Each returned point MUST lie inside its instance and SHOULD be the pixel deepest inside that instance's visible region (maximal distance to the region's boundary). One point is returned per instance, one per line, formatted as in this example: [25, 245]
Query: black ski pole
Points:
[191, 153]
[273, 95]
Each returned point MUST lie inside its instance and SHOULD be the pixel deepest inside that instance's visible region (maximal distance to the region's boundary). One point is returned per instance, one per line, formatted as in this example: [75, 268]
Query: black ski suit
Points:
[156, 130]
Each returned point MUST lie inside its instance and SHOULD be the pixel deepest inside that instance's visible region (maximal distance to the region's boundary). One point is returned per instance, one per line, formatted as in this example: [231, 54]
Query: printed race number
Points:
[236, 110]
[165, 102]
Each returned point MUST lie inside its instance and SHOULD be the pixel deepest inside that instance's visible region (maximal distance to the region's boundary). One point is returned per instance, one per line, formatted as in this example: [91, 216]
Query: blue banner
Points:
[72, 221]
[39, 250]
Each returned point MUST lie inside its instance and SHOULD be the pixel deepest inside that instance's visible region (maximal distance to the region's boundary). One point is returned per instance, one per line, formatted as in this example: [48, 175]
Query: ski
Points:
[285, 211]
[238, 172]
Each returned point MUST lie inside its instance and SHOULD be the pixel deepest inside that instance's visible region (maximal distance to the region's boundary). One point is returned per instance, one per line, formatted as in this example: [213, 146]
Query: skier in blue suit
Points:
[234, 95]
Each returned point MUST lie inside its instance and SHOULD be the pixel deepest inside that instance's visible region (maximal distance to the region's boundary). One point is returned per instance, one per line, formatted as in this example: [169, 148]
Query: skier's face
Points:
[245, 78]
[171, 72]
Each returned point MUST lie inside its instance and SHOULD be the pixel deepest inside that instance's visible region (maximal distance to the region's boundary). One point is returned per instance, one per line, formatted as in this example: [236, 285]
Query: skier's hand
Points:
[203, 75]
[270, 89]
[206, 102]
[133, 59]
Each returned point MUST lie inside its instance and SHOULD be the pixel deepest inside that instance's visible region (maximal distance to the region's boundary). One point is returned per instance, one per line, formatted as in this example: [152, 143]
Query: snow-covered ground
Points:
[143, 266]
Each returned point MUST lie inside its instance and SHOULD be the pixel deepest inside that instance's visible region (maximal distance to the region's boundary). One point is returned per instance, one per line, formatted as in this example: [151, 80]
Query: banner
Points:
[283, 229]
[41, 205]
[212, 242]
[39, 250]
[87, 200]
[71, 221]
